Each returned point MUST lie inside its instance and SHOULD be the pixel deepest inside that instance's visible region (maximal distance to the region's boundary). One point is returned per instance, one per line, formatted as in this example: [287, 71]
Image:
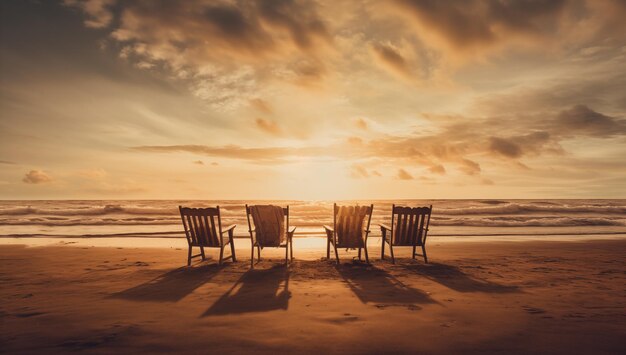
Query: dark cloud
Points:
[196, 33]
[298, 18]
[99, 12]
[505, 147]
[515, 147]
[390, 59]
[36, 177]
[471, 23]
[581, 120]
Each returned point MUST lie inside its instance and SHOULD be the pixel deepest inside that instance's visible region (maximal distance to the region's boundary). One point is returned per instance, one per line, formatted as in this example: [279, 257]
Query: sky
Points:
[312, 100]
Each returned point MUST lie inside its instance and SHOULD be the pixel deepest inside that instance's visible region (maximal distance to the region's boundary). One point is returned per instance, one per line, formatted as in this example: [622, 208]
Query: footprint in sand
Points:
[29, 314]
[347, 317]
[533, 310]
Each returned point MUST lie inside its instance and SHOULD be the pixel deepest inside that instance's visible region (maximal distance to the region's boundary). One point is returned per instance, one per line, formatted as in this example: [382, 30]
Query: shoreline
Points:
[306, 244]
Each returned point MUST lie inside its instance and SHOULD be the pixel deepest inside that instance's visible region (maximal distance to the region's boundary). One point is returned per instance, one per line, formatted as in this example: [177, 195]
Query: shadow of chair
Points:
[374, 285]
[258, 290]
[453, 278]
[171, 286]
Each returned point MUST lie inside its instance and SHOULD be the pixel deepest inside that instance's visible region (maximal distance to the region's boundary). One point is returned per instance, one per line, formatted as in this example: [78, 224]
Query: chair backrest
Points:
[251, 227]
[200, 226]
[409, 225]
[350, 226]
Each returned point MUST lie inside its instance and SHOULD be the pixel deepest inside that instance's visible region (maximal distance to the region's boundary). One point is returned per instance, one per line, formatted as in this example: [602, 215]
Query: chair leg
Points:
[202, 253]
[382, 250]
[291, 248]
[336, 254]
[327, 248]
[252, 257]
[367, 258]
[414, 252]
[359, 254]
[189, 257]
[424, 251]
[221, 254]
[232, 250]
[287, 254]
[258, 248]
[393, 258]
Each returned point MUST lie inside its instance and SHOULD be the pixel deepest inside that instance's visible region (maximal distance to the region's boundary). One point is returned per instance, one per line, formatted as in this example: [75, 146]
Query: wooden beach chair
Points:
[202, 231]
[409, 228]
[350, 230]
[270, 239]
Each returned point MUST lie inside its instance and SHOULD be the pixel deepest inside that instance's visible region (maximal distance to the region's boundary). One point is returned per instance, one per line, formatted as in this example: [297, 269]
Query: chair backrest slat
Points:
[412, 224]
[192, 231]
[199, 229]
[214, 234]
[413, 220]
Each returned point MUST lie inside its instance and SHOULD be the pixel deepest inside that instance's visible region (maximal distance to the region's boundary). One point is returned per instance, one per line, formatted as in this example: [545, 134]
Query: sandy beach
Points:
[509, 297]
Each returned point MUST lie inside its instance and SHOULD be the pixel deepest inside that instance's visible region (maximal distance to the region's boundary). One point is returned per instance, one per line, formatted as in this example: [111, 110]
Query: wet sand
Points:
[509, 297]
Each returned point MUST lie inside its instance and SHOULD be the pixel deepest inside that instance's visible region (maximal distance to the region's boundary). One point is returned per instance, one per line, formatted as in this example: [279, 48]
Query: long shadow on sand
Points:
[258, 290]
[373, 285]
[452, 277]
[171, 286]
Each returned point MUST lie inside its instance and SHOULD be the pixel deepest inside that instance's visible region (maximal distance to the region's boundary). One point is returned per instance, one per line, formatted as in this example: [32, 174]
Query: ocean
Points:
[450, 218]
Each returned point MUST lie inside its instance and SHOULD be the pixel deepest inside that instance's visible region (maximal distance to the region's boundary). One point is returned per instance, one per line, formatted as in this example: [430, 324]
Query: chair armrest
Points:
[329, 229]
[384, 226]
[229, 228]
[291, 230]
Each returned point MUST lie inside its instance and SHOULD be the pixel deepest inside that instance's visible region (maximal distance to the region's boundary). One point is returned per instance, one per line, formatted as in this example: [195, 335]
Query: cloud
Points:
[298, 18]
[222, 49]
[404, 175]
[391, 60]
[358, 172]
[93, 174]
[437, 169]
[581, 120]
[469, 167]
[361, 124]
[515, 147]
[36, 177]
[505, 147]
[99, 12]
[260, 155]
[268, 126]
[7, 162]
[261, 105]
[198, 162]
[470, 24]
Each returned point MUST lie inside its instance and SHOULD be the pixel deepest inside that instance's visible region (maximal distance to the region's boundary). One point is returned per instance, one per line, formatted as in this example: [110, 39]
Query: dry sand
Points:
[523, 297]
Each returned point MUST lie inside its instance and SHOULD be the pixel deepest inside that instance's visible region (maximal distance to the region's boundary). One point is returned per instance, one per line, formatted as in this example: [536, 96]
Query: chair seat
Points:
[283, 245]
[388, 239]
[225, 240]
